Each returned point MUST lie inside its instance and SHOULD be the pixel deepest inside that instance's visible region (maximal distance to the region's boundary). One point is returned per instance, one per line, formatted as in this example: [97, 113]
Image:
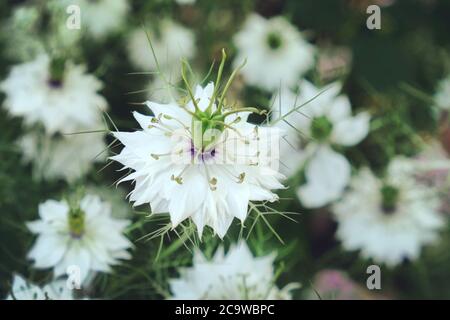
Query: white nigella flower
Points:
[22, 290]
[275, 50]
[171, 43]
[201, 160]
[442, 96]
[66, 157]
[58, 95]
[82, 235]
[234, 276]
[100, 17]
[315, 120]
[388, 219]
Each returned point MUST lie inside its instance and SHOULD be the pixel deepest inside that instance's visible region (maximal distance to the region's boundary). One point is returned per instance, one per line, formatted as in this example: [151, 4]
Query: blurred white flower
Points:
[234, 276]
[172, 43]
[66, 157]
[275, 50]
[21, 41]
[26, 38]
[201, 160]
[23, 290]
[442, 95]
[25, 17]
[388, 219]
[184, 2]
[82, 235]
[100, 17]
[58, 95]
[315, 120]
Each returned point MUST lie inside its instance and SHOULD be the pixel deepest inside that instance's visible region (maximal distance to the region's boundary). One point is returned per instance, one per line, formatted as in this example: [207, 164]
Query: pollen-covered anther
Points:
[256, 134]
[241, 177]
[179, 152]
[177, 179]
[157, 156]
[213, 183]
[237, 120]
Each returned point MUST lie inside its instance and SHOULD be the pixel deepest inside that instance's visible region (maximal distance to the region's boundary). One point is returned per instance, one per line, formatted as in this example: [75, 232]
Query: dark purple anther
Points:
[54, 83]
[204, 155]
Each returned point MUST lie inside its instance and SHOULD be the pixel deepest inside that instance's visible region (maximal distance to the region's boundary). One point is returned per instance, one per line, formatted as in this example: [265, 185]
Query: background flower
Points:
[278, 46]
[316, 119]
[235, 275]
[171, 42]
[388, 220]
[61, 102]
[82, 235]
[22, 290]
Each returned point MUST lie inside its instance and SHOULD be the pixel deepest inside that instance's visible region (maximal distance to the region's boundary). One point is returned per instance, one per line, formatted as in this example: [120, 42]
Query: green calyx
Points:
[389, 198]
[76, 222]
[206, 130]
[321, 128]
[57, 67]
[207, 125]
[274, 40]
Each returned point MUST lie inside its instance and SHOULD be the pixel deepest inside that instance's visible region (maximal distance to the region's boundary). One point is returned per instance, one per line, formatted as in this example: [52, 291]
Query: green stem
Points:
[230, 80]
[218, 79]
[186, 82]
[249, 109]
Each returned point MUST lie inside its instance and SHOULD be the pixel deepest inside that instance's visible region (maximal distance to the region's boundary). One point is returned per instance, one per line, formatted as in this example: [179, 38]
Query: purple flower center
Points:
[54, 83]
[204, 155]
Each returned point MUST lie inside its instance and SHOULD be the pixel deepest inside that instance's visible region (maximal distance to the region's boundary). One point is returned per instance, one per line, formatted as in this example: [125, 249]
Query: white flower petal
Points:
[327, 175]
[48, 250]
[351, 131]
[339, 109]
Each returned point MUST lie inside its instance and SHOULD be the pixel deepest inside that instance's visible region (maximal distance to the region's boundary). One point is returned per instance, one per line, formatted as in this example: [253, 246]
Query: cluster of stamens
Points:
[76, 221]
[208, 129]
